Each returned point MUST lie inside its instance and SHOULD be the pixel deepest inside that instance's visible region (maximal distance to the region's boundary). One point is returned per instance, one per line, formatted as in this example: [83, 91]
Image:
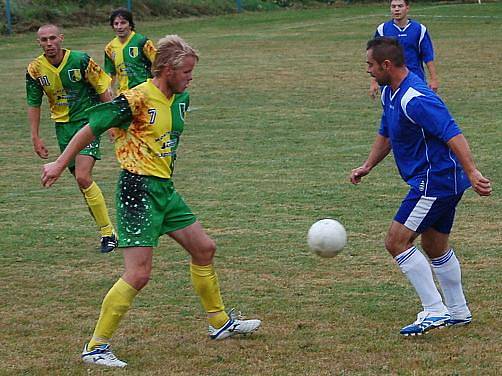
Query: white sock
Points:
[418, 271]
[449, 276]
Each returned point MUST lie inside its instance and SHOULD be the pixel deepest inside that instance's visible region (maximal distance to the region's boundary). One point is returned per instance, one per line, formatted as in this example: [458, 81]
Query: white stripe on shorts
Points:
[419, 212]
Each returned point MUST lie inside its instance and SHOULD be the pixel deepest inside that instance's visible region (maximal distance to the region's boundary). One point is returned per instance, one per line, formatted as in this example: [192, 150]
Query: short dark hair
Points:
[125, 14]
[407, 2]
[384, 48]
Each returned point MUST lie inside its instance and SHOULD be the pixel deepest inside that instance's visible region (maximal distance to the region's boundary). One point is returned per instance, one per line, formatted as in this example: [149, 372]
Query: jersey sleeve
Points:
[426, 47]
[114, 114]
[432, 115]
[34, 91]
[149, 50]
[379, 31]
[97, 77]
[109, 65]
[384, 130]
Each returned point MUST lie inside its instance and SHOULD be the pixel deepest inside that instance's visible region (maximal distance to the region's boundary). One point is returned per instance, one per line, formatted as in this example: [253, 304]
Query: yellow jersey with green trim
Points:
[149, 128]
[71, 88]
[131, 61]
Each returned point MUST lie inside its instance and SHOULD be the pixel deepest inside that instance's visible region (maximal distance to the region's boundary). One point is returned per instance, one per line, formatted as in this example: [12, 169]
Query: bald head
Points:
[49, 37]
[49, 27]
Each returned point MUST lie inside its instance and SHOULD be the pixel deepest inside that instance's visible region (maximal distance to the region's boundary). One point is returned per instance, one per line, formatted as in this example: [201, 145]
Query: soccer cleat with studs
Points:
[425, 322]
[108, 243]
[102, 356]
[459, 322]
[235, 325]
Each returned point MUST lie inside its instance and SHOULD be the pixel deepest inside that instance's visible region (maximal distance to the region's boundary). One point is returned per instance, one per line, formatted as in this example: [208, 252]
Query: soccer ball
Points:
[326, 237]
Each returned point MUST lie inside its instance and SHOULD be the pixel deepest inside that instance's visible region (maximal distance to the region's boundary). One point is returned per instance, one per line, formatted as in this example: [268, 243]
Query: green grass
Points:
[280, 117]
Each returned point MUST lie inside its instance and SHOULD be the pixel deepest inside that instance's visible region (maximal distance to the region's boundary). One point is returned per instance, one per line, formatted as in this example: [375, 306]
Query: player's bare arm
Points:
[38, 144]
[460, 147]
[52, 171]
[379, 150]
[433, 78]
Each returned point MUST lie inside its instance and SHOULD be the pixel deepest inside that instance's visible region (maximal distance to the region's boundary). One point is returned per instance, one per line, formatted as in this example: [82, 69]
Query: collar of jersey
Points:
[404, 28]
[127, 40]
[157, 94]
[60, 66]
[393, 94]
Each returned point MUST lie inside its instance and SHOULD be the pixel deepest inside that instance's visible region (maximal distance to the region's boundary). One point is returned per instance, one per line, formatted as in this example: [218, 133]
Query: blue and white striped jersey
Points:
[419, 125]
[416, 43]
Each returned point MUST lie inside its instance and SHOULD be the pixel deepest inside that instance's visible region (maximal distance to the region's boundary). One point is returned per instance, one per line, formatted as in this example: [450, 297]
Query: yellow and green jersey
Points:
[149, 128]
[71, 88]
[130, 61]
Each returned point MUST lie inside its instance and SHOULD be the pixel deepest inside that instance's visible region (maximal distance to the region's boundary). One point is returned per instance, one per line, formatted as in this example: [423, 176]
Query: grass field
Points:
[280, 117]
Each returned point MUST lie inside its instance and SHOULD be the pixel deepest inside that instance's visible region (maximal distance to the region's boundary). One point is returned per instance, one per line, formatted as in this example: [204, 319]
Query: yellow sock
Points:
[115, 305]
[206, 285]
[218, 320]
[97, 205]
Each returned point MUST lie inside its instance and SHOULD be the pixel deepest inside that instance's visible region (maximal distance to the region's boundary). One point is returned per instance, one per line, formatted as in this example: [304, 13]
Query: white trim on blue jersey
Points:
[380, 29]
[423, 30]
[419, 126]
[407, 97]
[415, 40]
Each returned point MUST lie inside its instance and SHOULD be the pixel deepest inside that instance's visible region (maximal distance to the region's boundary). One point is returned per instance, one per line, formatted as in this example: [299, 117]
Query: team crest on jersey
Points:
[133, 51]
[75, 75]
[183, 109]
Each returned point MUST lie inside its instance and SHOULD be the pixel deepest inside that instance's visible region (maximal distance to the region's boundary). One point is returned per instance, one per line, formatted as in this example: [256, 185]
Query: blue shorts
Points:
[418, 213]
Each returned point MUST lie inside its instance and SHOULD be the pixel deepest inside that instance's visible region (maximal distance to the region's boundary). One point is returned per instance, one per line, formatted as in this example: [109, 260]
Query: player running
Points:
[73, 82]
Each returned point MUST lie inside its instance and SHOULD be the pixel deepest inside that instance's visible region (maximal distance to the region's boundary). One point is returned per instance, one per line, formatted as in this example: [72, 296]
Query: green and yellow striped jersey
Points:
[71, 88]
[149, 128]
[130, 61]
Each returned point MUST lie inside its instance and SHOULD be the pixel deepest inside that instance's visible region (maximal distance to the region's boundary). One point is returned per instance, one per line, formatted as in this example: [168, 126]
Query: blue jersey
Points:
[419, 125]
[416, 43]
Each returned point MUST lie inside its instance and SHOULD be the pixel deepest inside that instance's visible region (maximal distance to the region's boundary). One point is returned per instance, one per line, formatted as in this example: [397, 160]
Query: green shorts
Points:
[66, 131]
[148, 207]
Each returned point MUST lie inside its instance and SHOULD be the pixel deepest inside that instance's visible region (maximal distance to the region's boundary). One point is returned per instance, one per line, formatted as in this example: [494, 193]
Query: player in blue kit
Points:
[416, 42]
[434, 158]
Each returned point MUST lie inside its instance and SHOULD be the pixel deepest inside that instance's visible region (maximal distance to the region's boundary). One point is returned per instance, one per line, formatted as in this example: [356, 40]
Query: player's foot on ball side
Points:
[426, 321]
[108, 243]
[102, 356]
[456, 321]
[235, 325]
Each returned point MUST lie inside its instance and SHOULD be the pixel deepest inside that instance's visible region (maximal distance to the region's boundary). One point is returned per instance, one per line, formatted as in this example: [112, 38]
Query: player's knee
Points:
[209, 248]
[83, 181]
[141, 279]
[138, 278]
[206, 251]
[391, 244]
[395, 245]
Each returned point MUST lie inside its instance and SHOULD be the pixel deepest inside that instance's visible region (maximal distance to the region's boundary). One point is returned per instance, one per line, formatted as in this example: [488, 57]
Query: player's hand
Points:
[40, 149]
[374, 89]
[480, 184]
[434, 84]
[50, 173]
[357, 174]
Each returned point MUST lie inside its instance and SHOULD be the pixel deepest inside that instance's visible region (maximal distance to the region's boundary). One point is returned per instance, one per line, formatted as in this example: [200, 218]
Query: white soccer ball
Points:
[327, 237]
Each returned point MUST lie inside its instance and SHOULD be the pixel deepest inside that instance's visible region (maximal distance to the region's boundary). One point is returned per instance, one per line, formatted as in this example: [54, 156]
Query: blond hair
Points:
[171, 51]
